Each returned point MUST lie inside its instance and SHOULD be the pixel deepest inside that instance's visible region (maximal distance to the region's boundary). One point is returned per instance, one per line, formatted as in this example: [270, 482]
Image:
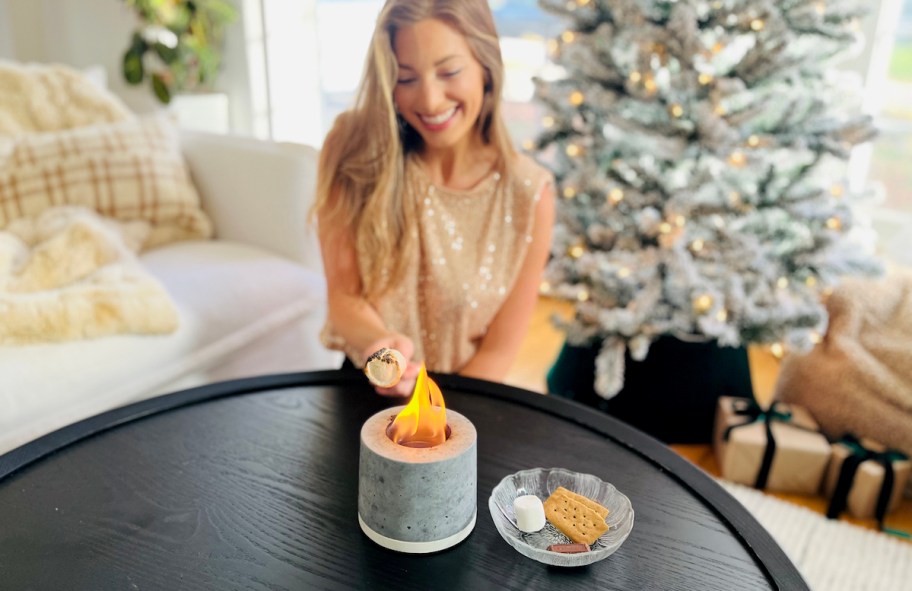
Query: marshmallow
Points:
[385, 367]
[530, 513]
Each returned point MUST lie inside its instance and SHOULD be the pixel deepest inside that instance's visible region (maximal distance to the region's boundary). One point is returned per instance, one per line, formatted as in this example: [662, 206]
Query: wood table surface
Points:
[252, 484]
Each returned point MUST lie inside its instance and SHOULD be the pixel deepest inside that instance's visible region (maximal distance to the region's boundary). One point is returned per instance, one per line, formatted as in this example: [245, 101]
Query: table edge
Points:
[769, 556]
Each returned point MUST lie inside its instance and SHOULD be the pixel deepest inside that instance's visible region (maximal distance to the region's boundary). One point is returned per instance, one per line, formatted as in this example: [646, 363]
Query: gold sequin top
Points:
[471, 246]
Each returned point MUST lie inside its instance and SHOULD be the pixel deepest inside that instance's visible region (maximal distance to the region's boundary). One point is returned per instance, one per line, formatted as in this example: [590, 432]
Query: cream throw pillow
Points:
[48, 97]
[130, 170]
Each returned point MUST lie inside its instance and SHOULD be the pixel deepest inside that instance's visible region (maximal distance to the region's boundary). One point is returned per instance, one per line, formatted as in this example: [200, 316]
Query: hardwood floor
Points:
[543, 342]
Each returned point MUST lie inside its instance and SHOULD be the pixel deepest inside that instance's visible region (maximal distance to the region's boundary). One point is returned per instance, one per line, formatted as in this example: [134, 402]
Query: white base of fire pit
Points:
[417, 547]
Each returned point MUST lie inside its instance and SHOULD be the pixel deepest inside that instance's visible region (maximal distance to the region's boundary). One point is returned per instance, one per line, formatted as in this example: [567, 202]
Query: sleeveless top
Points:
[471, 245]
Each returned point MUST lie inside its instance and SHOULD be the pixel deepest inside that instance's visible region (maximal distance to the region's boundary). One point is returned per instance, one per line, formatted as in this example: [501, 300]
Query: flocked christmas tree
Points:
[699, 148]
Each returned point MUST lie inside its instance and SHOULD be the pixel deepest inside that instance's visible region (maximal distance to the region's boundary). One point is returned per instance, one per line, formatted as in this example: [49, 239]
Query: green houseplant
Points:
[177, 44]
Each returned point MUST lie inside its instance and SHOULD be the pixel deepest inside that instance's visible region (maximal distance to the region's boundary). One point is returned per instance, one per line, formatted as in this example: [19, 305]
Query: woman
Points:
[434, 231]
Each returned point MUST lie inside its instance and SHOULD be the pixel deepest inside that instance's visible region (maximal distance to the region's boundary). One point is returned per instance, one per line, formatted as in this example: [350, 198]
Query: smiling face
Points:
[440, 87]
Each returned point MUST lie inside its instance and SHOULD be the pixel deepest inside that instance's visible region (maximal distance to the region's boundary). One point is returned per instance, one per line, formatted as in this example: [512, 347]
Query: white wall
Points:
[96, 32]
[6, 32]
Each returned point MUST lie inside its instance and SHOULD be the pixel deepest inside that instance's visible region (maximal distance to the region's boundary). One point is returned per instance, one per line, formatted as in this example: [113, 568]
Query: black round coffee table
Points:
[252, 484]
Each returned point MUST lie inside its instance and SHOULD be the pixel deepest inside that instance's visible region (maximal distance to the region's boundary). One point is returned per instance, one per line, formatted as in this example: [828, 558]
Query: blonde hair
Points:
[360, 183]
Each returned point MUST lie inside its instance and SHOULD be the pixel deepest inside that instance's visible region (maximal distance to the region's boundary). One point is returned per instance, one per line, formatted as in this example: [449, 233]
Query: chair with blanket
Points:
[136, 259]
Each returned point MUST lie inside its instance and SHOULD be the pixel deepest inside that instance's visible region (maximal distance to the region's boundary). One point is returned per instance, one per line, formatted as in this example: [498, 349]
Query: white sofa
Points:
[251, 301]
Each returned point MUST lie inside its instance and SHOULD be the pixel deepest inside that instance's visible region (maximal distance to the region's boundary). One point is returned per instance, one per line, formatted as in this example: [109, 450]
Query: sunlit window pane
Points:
[891, 160]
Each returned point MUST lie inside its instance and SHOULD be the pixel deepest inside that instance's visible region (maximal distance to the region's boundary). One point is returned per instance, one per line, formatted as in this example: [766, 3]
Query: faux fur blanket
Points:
[859, 379]
[72, 274]
[42, 97]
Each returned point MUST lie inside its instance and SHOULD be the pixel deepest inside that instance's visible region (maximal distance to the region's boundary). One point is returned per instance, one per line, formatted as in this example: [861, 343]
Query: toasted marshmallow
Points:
[384, 368]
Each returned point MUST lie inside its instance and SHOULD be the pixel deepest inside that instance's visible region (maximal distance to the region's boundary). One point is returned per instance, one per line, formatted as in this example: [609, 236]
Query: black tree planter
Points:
[671, 395]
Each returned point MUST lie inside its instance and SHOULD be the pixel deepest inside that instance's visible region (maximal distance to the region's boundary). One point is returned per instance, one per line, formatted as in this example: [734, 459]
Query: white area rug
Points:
[831, 555]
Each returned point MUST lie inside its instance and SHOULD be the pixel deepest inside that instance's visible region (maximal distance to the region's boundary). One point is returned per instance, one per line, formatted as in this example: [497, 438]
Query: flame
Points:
[422, 423]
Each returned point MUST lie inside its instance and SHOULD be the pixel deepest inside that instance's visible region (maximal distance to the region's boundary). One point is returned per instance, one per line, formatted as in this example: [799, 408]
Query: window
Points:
[891, 158]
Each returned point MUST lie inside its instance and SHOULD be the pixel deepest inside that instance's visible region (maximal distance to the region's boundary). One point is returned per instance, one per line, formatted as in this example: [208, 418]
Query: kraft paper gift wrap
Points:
[869, 477]
[801, 454]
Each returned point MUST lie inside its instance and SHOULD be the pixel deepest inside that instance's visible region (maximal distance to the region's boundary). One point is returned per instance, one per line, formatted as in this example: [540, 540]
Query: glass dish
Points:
[542, 482]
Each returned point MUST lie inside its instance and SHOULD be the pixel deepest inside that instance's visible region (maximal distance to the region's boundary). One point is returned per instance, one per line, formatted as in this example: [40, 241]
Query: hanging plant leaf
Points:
[160, 87]
[133, 66]
[185, 35]
[167, 54]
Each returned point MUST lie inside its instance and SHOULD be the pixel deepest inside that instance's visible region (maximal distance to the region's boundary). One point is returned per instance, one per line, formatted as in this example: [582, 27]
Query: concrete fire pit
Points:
[417, 499]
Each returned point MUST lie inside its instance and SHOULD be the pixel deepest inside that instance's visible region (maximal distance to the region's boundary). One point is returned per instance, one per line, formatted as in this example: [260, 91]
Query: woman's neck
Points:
[459, 167]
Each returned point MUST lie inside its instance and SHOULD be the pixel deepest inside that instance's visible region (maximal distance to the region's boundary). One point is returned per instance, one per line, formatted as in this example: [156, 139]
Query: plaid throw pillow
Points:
[131, 170]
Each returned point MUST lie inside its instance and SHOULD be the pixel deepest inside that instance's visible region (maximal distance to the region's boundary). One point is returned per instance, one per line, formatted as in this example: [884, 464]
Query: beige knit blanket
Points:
[859, 379]
[72, 274]
[48, 97]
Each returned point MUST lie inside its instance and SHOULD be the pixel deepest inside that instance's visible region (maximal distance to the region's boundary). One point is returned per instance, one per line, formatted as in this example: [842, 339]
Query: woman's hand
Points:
[404, 345]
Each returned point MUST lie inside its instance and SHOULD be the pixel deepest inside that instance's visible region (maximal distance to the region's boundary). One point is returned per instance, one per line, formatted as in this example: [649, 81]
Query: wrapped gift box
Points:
[868, 481]
[801, 453]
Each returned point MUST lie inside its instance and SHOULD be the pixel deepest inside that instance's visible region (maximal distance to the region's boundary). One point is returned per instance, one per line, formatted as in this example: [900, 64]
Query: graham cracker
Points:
[601, 510]
[574, 519]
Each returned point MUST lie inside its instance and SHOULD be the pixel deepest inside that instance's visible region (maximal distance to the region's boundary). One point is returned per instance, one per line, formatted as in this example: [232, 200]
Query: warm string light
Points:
[528, 145]
[569, 192]
[737, 158]
[811, 281]
[720, 110]
[650, 85]
[676, 110]
[705, 79]
[623, 272]
[778, 350]
[837, 190]
[573, 150]
[816, 338]
[568, 36]
[703, 303]
[718, 47]
[722, 315]
[583, 295]
[547, 121]
[782, 282]
[582, 2]
[635, 76]
[753, 141]
[665, 228]
[544, 287]
[757, 24]
[615, 196]
[576, 98]
[697, 245]
[680, 220]
[576, 251]
[834, 223]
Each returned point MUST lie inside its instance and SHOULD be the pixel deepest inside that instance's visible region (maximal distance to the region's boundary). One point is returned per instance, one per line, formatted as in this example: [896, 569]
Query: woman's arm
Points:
[504, 336]
[350, 315]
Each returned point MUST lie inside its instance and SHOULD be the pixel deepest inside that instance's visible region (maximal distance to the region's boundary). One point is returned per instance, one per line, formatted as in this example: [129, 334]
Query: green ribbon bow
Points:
[755, 414]
[860, 454]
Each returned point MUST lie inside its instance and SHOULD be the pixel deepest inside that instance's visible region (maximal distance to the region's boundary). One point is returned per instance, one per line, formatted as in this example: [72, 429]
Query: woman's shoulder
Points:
[528, 172]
